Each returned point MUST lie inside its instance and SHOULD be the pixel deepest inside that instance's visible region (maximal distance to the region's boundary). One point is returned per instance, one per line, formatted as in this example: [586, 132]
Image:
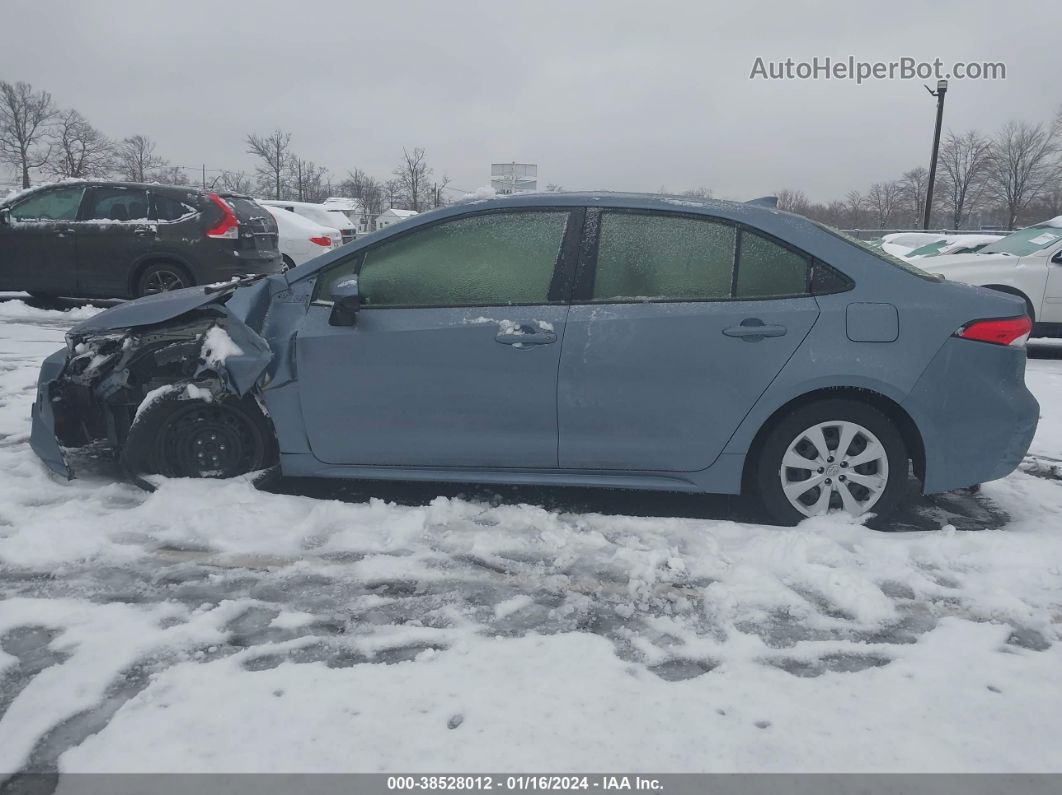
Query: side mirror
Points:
[346, 301]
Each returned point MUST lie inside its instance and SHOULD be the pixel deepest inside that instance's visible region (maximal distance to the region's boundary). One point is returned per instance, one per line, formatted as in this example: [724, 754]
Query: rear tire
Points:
[161, 277]
[869, 476]
[193, 438]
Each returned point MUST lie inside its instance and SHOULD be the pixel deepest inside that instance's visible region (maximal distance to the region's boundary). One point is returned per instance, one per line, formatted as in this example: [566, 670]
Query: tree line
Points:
[1008, 179]
[39, 139]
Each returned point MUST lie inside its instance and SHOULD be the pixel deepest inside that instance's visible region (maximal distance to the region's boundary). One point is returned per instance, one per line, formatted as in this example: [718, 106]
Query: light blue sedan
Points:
[570, 339]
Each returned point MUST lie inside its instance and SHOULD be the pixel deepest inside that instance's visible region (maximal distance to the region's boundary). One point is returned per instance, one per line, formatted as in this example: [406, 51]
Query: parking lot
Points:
[211, 626]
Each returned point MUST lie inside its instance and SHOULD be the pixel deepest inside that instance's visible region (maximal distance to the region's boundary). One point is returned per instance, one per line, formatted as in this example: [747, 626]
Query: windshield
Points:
[928, 250]
[1025, 241]
[868, 245]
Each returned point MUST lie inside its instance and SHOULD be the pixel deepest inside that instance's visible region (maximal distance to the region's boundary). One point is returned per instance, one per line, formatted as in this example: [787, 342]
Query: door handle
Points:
[144, 232]
[752, 329]
[526, 335]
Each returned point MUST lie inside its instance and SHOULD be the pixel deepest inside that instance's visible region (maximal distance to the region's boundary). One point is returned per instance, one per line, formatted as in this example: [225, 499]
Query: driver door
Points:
[453, 358]
[37, 245]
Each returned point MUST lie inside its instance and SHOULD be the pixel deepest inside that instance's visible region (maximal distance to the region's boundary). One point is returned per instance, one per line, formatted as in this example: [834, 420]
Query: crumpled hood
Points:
[151, 309]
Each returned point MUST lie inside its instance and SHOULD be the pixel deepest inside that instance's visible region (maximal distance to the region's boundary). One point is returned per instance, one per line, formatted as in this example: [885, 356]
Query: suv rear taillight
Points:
[228, 228]
[999, 331]
[322, 241]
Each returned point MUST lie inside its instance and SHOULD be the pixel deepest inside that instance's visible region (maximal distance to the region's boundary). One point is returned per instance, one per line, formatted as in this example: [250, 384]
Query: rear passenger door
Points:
[678, 324]
[114, 231]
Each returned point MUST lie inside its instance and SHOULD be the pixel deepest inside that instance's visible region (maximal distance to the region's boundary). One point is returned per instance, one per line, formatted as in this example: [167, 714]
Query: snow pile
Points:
[218, 346]
[464, 634]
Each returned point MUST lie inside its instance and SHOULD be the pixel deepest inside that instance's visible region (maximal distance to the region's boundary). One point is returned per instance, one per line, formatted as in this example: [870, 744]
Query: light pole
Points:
[942, 89]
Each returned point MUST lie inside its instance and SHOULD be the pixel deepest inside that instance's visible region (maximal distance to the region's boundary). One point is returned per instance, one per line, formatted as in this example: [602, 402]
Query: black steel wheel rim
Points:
[210, 441]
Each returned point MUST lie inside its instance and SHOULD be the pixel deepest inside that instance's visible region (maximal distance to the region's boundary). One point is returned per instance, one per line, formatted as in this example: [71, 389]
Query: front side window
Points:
[481, 260]
[768, 270]
[117, 204]
[646, 257]
[56, 204]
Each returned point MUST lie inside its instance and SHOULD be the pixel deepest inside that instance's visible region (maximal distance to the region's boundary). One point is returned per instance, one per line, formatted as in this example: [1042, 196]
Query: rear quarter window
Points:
[881, 254]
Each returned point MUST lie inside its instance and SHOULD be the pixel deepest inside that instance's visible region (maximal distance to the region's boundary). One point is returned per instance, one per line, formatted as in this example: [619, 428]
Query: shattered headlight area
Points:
[109, 374]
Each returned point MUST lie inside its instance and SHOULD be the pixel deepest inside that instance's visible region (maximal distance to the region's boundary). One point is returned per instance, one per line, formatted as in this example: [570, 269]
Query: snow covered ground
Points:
[213, 627]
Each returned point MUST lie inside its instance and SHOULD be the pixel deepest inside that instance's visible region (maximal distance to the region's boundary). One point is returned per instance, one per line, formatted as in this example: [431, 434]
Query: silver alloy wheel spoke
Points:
[809, 484]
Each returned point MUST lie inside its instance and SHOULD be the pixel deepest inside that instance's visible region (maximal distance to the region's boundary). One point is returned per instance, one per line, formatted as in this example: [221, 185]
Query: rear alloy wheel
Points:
[199, 439]
[161, 278]
[837, 455]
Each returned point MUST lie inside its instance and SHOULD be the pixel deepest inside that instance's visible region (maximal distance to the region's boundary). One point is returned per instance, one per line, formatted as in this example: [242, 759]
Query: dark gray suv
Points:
[125, 239]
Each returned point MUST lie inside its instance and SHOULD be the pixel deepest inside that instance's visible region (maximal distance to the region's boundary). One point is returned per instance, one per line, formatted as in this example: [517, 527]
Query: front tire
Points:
[192, 438]
[832, 455]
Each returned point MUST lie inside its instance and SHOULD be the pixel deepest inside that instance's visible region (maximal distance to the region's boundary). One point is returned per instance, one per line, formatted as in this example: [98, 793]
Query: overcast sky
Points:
[611, 95]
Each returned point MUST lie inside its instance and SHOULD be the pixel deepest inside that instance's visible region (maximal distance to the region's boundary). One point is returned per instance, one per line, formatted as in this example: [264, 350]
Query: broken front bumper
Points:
[42, 434]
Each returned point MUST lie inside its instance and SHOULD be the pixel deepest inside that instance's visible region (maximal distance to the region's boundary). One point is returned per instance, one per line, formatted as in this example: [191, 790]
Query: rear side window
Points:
[645, 257]
[168, 208]
[768, 270]
[116, 204]
[482, 260]
[57, 204]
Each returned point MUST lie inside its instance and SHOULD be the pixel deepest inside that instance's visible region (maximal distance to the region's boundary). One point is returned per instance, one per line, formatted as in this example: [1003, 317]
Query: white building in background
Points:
[510, 178]
[355, 211]
[392, 216]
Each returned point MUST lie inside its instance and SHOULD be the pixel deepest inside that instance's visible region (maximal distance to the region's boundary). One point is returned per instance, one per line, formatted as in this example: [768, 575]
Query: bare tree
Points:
[856, 205]
[137, 160]
[171, 175]
[914, 186]
[1022, 164]
[793, 201]
[273, 151]
[883, 199]
[235, 181]
[25, 125]
[412, 175]
[702, 192]
[963, 162]
[392, 189]
[368, 190]
[308, 180]
[81, 151]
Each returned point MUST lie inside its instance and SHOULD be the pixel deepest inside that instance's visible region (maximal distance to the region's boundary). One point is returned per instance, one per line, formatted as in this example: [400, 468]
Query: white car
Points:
[300, 239]
[1026, 263]
[317, 213]
[953, 244]
[900, 244]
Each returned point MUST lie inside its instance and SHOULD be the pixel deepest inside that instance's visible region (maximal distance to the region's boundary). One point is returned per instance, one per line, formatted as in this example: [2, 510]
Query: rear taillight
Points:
[228, 228]
[321, 241]
[999, 331]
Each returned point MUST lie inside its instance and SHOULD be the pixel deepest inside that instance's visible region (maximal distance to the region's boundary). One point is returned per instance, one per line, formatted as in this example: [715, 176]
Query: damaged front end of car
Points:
[93, 392]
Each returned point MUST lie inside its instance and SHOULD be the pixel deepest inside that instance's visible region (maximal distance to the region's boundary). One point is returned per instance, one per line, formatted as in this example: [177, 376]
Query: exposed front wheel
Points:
[194, 438]
[834, 455]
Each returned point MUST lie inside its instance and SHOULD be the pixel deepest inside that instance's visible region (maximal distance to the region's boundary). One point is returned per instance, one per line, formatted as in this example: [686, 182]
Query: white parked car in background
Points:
[953, 244]
[317, 213]
[300, 239]
[900, 244]
[1026, 263]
